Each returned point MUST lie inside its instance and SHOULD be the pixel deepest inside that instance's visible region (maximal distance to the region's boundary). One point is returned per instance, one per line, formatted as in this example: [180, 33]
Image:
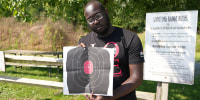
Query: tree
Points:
[129, 14]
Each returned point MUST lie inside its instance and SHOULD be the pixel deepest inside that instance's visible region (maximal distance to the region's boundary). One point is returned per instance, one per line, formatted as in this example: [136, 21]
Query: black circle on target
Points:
[88, 70]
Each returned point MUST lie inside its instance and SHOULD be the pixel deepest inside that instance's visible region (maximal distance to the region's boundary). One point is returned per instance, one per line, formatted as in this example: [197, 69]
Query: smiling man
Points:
[128, 57]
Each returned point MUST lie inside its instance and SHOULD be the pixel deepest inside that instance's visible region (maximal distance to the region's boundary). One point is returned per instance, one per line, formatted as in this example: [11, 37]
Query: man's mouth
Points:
[99, 27]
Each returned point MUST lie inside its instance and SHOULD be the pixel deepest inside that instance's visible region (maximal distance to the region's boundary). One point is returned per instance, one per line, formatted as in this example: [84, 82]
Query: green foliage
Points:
[198, 43]
[197, 55]
[129, 14]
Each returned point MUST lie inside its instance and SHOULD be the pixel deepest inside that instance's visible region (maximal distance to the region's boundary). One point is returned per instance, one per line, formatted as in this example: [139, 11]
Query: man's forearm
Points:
[126, 87]
[135, 80]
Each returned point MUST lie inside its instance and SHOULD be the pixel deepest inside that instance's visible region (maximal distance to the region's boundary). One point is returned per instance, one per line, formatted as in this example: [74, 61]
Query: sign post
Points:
[170, 41]
[2, 62]
[158, 90]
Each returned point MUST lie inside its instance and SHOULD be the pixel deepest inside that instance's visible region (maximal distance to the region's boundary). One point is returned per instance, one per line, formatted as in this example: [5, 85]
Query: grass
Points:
[176, 91]
[197, 56]
[11, 91]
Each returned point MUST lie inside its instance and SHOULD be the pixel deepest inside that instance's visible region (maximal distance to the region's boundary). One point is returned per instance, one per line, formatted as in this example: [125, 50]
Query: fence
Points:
[19, 58]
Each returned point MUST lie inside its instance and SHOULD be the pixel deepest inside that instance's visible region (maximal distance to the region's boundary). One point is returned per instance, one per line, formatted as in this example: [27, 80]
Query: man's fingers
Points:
[86, 97]
[90, 97]
[82, 45]
[92, 94]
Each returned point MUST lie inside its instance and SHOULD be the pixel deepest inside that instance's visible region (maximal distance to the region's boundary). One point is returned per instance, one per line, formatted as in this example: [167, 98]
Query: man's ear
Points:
[106, 11]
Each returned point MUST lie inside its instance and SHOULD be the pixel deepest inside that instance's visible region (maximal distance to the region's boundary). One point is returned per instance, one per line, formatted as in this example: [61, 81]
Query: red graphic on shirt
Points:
[117, 70]
[116, 47]
[88, 67]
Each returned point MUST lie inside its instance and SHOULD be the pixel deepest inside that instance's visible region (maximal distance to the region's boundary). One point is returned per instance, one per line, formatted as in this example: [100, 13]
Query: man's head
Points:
[97, 17]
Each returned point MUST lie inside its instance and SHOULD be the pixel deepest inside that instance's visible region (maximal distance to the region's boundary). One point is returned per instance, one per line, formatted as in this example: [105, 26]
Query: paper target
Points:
[88, 70]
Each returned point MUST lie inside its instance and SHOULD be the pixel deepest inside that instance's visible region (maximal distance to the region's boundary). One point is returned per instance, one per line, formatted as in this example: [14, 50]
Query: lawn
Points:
[11, 91]
[176, 91]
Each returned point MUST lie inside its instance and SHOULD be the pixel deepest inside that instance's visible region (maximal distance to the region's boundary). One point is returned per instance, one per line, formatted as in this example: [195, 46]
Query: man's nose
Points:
[96, 21]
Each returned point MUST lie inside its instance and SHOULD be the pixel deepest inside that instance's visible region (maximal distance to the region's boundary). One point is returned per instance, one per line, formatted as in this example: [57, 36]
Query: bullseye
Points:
[88, 67]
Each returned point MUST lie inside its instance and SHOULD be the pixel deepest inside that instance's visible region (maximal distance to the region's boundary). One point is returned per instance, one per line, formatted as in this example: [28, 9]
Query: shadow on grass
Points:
[185, 92]
[47, 99]
[176, 91]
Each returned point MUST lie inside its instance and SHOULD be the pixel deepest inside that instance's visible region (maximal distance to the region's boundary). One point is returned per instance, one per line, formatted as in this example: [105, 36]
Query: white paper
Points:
[65, 73]
[170, 42]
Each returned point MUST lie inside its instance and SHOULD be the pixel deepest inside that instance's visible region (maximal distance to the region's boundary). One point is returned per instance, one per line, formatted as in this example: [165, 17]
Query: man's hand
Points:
[97, 97]
[82, 45]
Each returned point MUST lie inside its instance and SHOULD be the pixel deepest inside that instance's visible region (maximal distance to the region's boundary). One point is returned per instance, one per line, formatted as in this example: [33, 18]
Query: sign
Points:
[87, 70]
[170, 42]
[2, 61]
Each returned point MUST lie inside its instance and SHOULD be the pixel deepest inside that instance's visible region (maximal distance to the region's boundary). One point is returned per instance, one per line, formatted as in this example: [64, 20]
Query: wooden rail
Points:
[33, 59]
[28, 52]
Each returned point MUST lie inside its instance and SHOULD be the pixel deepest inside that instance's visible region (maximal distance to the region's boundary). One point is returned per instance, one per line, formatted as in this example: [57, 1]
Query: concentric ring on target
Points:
[87, 69]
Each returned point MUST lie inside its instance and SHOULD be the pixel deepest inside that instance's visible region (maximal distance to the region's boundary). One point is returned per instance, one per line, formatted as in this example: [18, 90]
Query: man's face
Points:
[97, 19]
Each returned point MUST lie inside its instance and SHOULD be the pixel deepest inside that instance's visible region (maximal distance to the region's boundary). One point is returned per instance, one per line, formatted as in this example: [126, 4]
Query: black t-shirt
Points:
[128, 50]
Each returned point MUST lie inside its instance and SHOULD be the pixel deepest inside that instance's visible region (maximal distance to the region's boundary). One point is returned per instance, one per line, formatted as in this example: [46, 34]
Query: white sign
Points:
[2, 61]
[170, 42]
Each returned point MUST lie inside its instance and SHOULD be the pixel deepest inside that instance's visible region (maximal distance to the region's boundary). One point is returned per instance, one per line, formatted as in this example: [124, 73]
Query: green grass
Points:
[33, 72]
[176, 91]
[11, 91]
[197, 55]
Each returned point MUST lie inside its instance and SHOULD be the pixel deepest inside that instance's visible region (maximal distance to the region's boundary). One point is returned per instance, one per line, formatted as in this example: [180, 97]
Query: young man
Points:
[128, 58]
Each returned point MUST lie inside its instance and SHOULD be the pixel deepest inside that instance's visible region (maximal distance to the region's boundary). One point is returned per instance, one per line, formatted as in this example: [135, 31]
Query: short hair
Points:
[95, 2]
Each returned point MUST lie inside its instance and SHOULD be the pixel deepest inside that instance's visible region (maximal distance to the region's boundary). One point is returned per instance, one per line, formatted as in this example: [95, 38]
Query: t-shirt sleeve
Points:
[80, 41]
[135, 51]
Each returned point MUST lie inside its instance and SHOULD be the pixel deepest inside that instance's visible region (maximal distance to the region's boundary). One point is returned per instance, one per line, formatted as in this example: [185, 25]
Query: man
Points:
[128, 58]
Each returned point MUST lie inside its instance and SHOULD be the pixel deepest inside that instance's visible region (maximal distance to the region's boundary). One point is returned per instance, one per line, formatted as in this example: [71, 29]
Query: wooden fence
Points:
[49, 60]
[19, 58]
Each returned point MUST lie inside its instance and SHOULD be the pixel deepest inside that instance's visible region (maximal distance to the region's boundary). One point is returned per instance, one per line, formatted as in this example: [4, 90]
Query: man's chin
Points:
[101, 33]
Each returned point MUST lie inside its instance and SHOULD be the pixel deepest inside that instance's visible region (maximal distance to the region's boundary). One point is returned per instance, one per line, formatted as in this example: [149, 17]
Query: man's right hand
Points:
[82, 45]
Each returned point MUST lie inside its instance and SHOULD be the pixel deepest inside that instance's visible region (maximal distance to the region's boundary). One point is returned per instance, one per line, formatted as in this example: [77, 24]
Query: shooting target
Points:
[88, 70]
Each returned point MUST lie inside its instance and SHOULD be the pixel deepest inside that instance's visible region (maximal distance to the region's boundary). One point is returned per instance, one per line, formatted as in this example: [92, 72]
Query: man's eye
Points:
[98, 16]
[89, 20]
